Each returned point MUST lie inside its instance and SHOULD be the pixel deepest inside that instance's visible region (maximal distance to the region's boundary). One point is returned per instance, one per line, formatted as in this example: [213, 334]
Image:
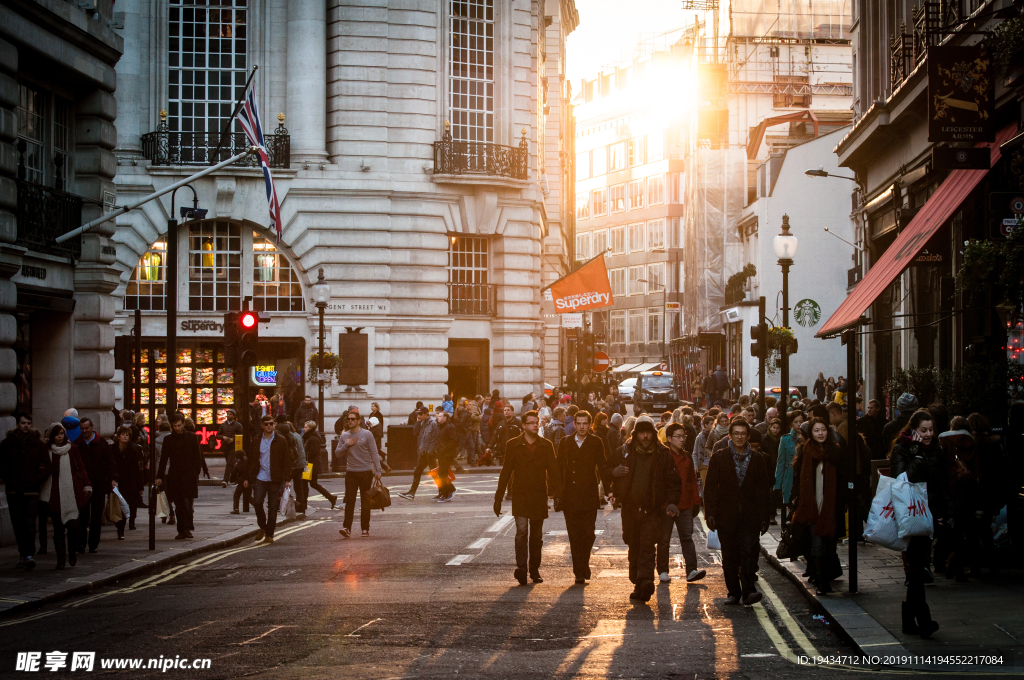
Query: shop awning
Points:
[939, 208]
[624, 368]
[640, 368]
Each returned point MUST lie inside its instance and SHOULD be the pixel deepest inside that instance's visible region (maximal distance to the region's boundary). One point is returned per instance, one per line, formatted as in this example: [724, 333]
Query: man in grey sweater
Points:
[363, 468]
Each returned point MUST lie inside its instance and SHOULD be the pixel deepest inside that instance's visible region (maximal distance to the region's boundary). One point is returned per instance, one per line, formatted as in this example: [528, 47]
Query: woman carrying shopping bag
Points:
[917, 452]
[128, 458]
[64, 492]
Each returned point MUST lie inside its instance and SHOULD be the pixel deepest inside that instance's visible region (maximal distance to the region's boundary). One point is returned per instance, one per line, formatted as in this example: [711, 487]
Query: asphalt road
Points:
[430, 594]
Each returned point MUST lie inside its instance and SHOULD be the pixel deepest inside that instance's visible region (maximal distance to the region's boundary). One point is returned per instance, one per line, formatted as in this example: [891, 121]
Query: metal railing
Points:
[43, 215]
[908, 50]
[165, 147]
[481, 158]
[470, 299]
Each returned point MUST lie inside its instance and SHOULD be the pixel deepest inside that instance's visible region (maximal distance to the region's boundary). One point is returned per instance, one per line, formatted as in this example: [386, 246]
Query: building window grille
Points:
[32, 131]
[656, 190]
[635, 151]
[636, 281]
[469, 288]
[656, 234]
[617, 156]
[618, 240]
[636, 237]
[471, 63]
[636, 328]
[617, 198]
[583, 205]
[276, 286]
[654, 327]
[656, 276]
[207, 58]
[618, 281]
[617, 328]
[636, 194]
[600, 202]
[582, 246]
[214, 266]
[145, 289]
[600, 242]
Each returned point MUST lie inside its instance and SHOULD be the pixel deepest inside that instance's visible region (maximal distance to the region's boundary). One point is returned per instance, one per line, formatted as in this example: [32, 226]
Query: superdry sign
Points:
[586, 288]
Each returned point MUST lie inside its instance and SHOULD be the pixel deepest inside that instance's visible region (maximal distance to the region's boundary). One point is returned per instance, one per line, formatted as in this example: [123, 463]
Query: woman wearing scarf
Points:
[128, 459]
[818, 502]
[64, 492]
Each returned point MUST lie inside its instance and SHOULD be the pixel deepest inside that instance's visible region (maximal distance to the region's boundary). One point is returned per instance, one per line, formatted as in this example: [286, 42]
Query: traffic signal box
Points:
[759, 334]
[242, 336]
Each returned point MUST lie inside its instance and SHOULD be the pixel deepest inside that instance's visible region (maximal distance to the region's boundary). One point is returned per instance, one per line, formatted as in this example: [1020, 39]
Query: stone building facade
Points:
[416, 158]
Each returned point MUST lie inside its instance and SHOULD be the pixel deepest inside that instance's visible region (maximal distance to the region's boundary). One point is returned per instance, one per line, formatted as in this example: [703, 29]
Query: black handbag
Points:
[795, 541]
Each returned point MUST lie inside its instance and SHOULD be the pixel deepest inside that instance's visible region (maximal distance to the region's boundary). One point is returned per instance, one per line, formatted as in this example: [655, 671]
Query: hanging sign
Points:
[960, 94]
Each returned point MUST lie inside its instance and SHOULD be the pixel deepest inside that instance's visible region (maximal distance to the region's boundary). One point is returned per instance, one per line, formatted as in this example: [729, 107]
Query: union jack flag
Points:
[249, 118]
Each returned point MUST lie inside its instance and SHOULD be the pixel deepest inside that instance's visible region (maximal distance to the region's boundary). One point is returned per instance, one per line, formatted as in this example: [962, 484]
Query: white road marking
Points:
[353, 633]
[459, 559]
[168, 637]
[502, 522]
[259, 637]
[479, 543]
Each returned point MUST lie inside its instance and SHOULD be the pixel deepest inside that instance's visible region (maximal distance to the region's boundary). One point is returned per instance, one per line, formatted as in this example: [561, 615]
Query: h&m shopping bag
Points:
[881, 529]
[910, 501]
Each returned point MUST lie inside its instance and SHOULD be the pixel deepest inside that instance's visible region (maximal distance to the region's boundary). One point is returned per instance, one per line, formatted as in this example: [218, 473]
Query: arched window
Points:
[223, 261]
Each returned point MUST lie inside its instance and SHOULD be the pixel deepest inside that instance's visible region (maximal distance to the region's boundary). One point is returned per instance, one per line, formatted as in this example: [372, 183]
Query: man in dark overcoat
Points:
[180, 464]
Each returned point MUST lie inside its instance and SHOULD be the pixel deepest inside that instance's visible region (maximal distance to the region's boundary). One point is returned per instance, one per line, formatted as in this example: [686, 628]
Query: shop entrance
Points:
[468, 367]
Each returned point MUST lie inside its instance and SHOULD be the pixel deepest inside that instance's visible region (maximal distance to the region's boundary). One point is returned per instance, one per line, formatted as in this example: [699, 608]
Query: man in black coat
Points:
[531, 467]
[447, 449]
[270, 470]
[305, 412]
[737, 506]
[98, 458]
[583, 464]
[871, 425]
[24, 466]
[648, 486]
[226, 434]
[905, 407]
[181, 460]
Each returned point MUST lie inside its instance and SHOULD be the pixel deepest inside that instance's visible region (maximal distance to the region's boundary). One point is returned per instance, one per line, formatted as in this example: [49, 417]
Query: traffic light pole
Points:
[762, 332]
[853, 516]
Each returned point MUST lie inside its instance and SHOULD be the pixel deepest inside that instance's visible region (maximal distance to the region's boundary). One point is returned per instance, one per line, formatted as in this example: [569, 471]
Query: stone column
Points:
[307, 77]
[95, 276]
[10, 255]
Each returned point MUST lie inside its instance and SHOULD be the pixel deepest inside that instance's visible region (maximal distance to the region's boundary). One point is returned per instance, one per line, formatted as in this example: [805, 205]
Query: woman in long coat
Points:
[64, 492]
[128, 459]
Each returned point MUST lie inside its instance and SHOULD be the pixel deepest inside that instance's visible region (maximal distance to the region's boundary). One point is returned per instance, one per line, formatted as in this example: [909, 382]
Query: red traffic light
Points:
[248, 320]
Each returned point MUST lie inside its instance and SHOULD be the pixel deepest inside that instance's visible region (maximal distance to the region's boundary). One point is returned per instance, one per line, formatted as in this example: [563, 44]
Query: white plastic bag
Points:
[288, 503]
[882, 529]
[163, 506]
[910, 502]
[713, 542]
[125, 511]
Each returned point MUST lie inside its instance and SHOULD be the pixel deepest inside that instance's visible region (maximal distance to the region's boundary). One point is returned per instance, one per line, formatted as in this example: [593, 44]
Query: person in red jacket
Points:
[688, 506]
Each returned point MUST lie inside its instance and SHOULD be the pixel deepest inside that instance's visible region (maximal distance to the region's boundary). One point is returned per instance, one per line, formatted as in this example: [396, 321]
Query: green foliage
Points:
[332, 364]
[981, 388]
[778, 338]
[734, 286]
[995, 266]
[1006, 41]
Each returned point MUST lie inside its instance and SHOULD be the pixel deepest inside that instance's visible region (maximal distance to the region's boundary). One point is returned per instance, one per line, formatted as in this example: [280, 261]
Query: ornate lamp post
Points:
[321, 294]
[785, 245]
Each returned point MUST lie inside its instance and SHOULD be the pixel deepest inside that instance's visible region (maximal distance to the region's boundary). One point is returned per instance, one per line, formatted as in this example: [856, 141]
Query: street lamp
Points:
[821, 172]
[785, 245]
[321, 294]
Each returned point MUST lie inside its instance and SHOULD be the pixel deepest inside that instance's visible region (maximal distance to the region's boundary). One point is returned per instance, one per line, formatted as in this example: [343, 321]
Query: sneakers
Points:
[366, 533]
[664, 577]
[234, 512]
[406, 496]
[751, 598]
[260, 534]
[446, 499]
[345, 533]
[30, 564]
[696, 575]
[268, 540]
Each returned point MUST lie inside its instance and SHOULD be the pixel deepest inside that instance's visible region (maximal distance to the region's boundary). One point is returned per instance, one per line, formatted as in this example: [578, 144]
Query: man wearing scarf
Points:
[647, 484]
[24, 467]
[736, 505]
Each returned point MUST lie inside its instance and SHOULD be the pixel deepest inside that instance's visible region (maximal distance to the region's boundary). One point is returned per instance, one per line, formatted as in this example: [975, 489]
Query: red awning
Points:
[939, 208]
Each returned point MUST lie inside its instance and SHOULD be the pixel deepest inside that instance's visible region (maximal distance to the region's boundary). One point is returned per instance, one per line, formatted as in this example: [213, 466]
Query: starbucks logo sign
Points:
[807, 312]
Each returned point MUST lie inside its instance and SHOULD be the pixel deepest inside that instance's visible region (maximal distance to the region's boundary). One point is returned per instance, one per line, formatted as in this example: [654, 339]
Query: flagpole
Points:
[601, 254]
[238, 106]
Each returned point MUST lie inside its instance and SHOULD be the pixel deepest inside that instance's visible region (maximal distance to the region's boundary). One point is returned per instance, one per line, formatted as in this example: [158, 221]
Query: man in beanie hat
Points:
[905, 407]
[648, 486]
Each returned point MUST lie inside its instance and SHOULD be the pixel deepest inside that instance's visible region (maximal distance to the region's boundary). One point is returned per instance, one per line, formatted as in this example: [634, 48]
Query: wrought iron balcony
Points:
[479, 158]
[907, 50]
[165, 147]
[43, 215]
[470, 299]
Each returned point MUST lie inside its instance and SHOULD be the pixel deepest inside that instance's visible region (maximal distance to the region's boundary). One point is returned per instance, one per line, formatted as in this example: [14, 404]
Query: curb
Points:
[136, 567]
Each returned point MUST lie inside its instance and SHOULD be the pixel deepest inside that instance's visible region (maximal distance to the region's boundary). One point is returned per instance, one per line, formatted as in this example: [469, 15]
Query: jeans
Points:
[739, 560]
[357, 481]
[271, 491]
[470, 444]
[640, 531]
[425, 461]
[918, 553]
[683, 523]
[314, 483]
[90, 516]
[529, 541]
[580, 526]
[184, 512]
[23, 519]
[444, 466]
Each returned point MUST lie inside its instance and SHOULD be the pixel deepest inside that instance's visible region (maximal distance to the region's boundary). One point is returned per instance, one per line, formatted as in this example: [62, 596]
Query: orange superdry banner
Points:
[586, 288]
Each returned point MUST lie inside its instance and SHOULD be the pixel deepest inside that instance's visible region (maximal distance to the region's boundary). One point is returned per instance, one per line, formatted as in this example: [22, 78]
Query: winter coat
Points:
[784, 465]
[226, 434]
[872, 427]
[99, 462]
[581, 468]
[555, 432]
[426, 437]
[303, 414]
[819, 390]
[447, 443]
[280, 460]
[734, 506]
[664, 486]
[315, 449]
[180, 464]
[689, 496]
[79, 478]
[534, 475]
[24, 463]
[924, 464]
[129, 469]
[612, 442]
[503, 433]
[892, 430]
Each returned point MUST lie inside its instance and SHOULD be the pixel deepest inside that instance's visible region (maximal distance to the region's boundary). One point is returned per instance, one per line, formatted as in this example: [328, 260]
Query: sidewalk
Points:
[981, 617]
[114, 560]
[216, 467]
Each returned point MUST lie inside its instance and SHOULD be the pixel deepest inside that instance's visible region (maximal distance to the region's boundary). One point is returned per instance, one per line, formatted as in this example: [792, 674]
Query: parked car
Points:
[656, 392]
[776, 392]
[626, 388]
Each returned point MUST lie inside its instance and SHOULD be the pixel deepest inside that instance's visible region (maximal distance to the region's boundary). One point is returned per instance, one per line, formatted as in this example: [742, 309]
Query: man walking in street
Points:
[509, 428]
[583, 464]
[447, 450]
[24, 466]
[737, 506]
[226, 434]
[98, 458]
[270, 467]
[182, 461]
[426, 445]
[531, 467]
[648, 486]
[688, 506]
[363, 469]
[721, 383]
[305, 412]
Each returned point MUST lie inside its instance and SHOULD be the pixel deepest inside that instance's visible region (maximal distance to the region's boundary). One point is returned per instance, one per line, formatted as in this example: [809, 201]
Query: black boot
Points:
[909, 624]
[924, 621]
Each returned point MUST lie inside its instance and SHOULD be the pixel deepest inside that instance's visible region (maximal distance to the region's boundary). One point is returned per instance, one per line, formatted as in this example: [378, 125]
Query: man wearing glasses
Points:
[363, 468]
[687, 508]
[268, 470]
